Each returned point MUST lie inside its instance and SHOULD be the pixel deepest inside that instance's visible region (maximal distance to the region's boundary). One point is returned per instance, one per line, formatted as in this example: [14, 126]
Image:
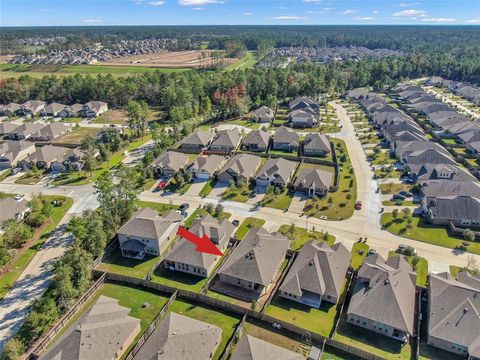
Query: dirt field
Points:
[176, 59]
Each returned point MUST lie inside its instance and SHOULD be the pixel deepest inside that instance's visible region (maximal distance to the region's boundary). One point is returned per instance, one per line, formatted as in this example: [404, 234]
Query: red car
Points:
[161, 185]
[358, 205]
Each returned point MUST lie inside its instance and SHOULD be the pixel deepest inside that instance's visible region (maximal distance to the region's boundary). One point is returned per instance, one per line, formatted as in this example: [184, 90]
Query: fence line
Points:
[234, 339]
[112, 245]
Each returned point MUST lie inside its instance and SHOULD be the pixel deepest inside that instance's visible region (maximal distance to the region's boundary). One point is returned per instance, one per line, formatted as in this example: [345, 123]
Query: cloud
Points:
[375, 11]
[199, 2]
[408, 4]
[348, 12]
[312, 1]
[323, 11]
[282, 7]
[92, 21]
[472, 21]
[364, 18]
[291, 17]
[248, 14]
[439, 20]
[156, 3]
[410, 13]
[197, 8]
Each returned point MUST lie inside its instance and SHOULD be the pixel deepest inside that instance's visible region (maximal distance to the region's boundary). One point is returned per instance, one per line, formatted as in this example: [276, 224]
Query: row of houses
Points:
[283, 139]
[450, 195]
[35, 132]
[465, 90]
[41, 108]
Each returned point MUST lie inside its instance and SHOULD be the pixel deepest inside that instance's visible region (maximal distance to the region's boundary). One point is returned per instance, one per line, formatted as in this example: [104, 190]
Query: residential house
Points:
[314, 181]
[316, 144]
[50, 132]
[52, 109]
[285, 139]
[256, 140]
[32, 107]
[205, 166]
[454, 313]
[276, 172]
[93, 109]
[12, 152]
[198, 141]
[317, 274]
[358, 93]
[462, 211]
[184, 258]
[148, 233]
[252, 348]
[180, 337]
[405, 148]
[443, 171]
[445, 187]
[303, 103]
[70, 111]
[169, 163]
[11, 209]
[241, 167]
[105, 332]
[383, 298]
[226, 141]
[12, 109]
[305, 118]
[254, 263]
[263, 115]
[7, 127]
[24, 131]
[56, 158]
[417, 159]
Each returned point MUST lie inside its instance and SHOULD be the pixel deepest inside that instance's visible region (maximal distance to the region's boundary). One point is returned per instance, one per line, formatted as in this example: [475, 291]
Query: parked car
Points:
[398, 197]
[371, 252]
[183, 207]
[358, 205]
[323, 217]
[406, 193]
[253, 194]
[406, 249]
[19, 197]
[161, 185]
[235, 223]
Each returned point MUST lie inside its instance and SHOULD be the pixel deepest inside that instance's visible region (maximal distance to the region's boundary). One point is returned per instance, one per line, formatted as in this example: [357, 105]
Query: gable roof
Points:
[208, 163]
[199, 137]
[242, 165]
[146, 223]
[9, 208]
[54, 108]
[252, 348]
[27, 129]
[279, 168]
[100, 335]
[257, 257]
[317, 178]
[319, 269]
[286, 135]
[230, 138]
[48, 153]
[316, 141]
[52, 130]
[454, 207]
[257, 137]
[454, 312]
[7, 127]
[385, 292]
[263, 111]
[434, 188]
[180, 337]
[11, 149]
[172, 159]
[435, 171]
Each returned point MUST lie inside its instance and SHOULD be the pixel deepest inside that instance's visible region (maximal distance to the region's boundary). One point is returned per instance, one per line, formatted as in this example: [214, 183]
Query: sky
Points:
[237, 12]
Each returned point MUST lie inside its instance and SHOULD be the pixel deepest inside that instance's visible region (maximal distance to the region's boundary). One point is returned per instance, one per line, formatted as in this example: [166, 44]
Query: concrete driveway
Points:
[260, 190]
[218, 190]
[137, 155]
[196, 187]
[298, 203]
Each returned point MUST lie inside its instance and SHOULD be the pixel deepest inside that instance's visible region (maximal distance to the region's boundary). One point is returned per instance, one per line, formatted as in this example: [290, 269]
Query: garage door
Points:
[263, 182]
[203, 176]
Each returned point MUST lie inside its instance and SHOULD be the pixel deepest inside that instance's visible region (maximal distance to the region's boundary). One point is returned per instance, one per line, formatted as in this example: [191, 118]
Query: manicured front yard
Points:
[199, 213]
[382, 158]
[421, 267]
[236, 193]
[359, 252]
[161, 208]
[300, 236]
[280, 202]
[30, 178]
[342, 203]
[207, 188]
[116, 263]
[393, 188]
[25, 255]
[422, 231]
[398, 203]
[248, 224]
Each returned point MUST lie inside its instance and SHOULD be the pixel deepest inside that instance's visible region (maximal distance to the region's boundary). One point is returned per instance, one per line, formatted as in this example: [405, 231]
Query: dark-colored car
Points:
[183, 207]
[398, 197]
[235, 223]
[406, 193]
[253, 194]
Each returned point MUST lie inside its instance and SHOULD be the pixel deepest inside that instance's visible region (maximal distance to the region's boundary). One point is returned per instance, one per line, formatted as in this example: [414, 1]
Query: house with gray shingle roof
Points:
[180, 337]
[462, 211]
[169, 163]
[276, 172]
[285, 139]
[13, 152]
[383, 298]
[205, 166]
[24, 131]
[256, 140]
[93, 109]
[252, 348]
[254, 263]
[305, 118]
[32, 107]
[226, 141]
[454, 313]
[50, 132]
[148, 233]
[317, 274]
[11, 109]
[7, 127]
[439, 188]
[263, 115]
[105, 332]
[71, 111]
[313, 181]
[443, 171]
[53, 109]
[11, 209]
[240, 167]
[197, 141]
[184, 258]
[316, 144]
[56, 158]
[417, 159]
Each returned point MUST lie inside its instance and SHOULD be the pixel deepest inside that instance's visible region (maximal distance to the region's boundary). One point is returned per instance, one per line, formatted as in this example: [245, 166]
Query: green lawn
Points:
[382, 158]
[428, 352]
[247, 61]
[116, 263]
[398, 203]
[422, 231]
[301, 235]
[235, 193]
[161, 208]
[199, 213]
[178, 279]
[387, 172]
[38, 70]
[24, 257]
[359, 252]
[226, 321]
[244, 122]
[173, 186]
[343, 200]
[248, 224]
[30, 178]
[280, 202]
[4, 174]
[207, 188]
[421, 268]
[393, 188]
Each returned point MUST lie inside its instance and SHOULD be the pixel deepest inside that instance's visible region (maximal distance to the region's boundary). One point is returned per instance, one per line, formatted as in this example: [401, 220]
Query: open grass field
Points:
[248, 61]
[77, 135]
[26, 254]
[112, 116]
[38, 71]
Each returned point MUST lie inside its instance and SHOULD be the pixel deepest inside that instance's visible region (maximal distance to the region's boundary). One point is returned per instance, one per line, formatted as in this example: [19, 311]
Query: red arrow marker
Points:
[204, 244]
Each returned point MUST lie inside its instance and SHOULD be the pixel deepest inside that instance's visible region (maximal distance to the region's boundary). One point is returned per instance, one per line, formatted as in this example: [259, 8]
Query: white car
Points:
[19, 197]
[323, 217]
